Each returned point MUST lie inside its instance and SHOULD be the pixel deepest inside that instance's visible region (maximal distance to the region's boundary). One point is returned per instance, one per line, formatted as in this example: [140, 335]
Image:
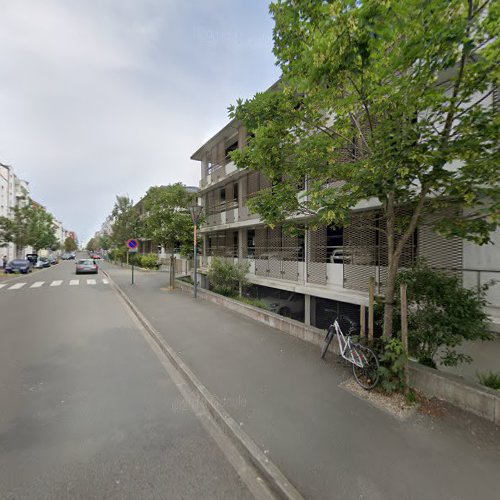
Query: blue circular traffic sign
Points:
[132, 243]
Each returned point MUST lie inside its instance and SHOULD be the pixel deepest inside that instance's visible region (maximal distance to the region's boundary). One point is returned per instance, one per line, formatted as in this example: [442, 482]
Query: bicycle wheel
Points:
[328, 339]
[366, 376]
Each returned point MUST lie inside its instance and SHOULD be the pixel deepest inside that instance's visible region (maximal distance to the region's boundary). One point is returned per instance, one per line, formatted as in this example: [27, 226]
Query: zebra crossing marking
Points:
[17, 286]
[40, 284]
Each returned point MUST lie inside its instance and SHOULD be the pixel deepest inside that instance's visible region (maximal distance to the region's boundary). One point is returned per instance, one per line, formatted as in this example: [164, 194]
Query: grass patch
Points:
[490, 379]
[252, 302]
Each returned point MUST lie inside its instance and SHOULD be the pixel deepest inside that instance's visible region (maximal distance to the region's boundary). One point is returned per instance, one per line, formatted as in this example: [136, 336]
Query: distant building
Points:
[14, 192]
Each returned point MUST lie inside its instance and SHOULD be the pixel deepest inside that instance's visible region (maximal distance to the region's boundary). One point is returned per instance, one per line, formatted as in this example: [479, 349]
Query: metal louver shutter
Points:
[360, 251]
[261, 251]
[316, 256]
[274, 255]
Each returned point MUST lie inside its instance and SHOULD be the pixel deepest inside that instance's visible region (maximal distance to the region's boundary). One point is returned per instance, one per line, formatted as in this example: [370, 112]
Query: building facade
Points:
[311, 274]
[14, 192]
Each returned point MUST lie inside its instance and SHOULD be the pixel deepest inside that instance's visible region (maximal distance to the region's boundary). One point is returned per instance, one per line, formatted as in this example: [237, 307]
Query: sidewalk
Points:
[329, 443]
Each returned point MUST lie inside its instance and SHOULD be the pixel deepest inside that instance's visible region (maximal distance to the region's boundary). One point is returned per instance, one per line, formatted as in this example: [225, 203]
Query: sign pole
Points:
[195, 252]
[133, 246]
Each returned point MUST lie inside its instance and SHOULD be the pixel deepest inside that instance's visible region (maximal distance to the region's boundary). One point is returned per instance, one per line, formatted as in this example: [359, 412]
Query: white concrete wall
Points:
[484, 264]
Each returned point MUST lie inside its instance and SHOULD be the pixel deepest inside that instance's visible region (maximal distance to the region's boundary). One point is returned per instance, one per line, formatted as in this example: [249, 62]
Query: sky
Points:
[106, 97]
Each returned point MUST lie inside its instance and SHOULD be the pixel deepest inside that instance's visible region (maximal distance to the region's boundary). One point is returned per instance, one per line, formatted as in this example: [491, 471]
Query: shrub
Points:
[490, 379]
[392, 360]
[441, 315]
[118, 254]
[227, 278]
[148, 261]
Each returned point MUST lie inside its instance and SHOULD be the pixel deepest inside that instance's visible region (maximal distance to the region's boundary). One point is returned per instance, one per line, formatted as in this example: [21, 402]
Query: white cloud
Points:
[103, 97]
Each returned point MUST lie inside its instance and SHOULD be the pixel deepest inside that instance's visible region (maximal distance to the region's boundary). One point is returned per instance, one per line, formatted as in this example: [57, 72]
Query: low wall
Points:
[475, 398]
[292, 327]
[456, 390]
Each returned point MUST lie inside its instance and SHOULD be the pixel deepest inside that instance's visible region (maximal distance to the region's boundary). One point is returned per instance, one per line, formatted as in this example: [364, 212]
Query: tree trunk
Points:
[390, 289]
[394, 252]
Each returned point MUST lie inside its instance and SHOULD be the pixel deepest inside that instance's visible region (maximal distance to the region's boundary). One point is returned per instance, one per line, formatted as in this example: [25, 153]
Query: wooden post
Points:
[404, 333]
[371, 289]
[362, 321]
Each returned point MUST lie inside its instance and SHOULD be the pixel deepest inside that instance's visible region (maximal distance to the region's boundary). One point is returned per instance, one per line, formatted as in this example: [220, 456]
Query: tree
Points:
[92, 245]
[104, 242]
[7, 230]
[126, 221]
[40, 229]
[168, 221]
[70, 244]
[378, 100]
[441, 315]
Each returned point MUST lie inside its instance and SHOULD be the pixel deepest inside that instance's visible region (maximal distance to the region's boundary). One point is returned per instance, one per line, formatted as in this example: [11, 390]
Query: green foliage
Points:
[392, 360]
[33, 226]
[253, 302]
[126, 222]
[490, 379]
[441, 315]
[227, 278]
[7, 231]
[148, 261]
[375, 102]
[118, 254]
[168, 221]
[70, 245]
[104, 241]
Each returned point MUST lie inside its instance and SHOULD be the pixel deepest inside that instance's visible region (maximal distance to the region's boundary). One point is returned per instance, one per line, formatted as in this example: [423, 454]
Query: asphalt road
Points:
[87, 410]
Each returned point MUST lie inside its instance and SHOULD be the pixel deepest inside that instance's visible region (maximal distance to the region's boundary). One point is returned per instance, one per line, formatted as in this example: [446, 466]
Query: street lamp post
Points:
[195, 211]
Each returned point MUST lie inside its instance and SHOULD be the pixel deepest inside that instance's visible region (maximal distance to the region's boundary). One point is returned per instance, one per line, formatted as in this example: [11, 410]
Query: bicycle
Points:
[364, 361]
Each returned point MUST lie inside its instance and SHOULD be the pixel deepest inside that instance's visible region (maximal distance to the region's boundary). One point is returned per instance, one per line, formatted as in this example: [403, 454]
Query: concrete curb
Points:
[276, 480]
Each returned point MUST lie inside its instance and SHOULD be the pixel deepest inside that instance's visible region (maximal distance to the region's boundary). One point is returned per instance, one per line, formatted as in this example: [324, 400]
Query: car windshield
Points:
[19, 262]
[86, 262]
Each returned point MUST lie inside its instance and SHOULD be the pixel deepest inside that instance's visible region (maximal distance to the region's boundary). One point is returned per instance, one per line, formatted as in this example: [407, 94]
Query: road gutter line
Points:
[249, 453]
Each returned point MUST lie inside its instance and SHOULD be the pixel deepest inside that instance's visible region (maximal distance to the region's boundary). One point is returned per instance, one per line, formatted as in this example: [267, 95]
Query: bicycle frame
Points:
[346, 348]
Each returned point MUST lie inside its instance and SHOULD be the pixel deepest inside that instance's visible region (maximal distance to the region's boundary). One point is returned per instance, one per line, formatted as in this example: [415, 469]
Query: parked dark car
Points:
[32, 257]
[86, 266]
[23, 266]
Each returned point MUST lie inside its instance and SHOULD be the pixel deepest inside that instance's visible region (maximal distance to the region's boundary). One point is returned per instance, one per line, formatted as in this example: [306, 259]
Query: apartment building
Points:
[311, 274]
[13, 193]
[146, 245]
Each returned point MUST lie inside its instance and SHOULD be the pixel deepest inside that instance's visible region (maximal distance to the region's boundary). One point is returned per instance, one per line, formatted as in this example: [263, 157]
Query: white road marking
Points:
[2, 285]
[91, 282]
[16, 286]
[74, 282]
[105, 282]
[56, 283]
[37, 284]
